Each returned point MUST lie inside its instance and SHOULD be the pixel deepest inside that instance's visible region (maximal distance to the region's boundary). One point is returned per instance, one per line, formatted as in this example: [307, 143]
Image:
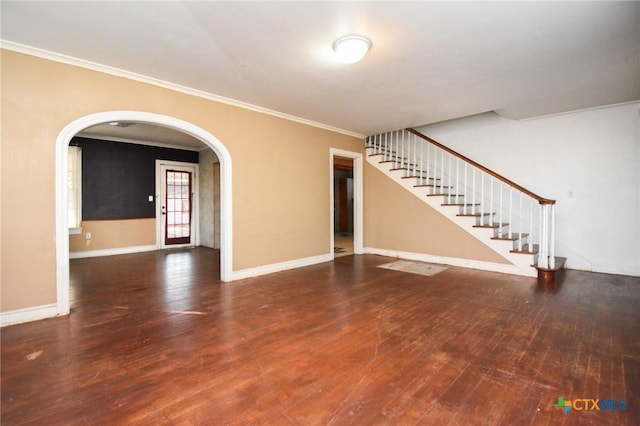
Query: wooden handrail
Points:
[541, 200]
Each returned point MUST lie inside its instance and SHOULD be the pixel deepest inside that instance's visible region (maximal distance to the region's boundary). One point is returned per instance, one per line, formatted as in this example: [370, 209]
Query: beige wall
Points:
[110, 234]
[280, 169]
[418, 228]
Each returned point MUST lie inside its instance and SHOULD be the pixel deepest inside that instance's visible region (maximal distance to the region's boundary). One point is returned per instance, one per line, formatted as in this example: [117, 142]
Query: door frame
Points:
[161, 165]
[62, 230]
[358, 246]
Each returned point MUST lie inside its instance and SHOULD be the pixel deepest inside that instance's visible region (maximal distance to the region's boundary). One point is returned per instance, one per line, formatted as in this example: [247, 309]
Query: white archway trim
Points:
[62, 231]
[358, 209]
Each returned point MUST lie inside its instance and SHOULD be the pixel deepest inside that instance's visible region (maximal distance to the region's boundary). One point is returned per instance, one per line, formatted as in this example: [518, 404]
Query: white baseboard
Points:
[616, 270]
[283, 266]
[453, 261]
[111, 252]
[19, 316]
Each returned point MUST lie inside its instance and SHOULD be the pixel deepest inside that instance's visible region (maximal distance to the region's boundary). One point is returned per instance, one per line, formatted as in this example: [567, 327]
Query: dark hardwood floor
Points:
[154, 338]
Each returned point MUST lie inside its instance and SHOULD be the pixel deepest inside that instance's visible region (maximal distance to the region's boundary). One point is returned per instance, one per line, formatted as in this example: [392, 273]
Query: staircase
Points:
[511, 220]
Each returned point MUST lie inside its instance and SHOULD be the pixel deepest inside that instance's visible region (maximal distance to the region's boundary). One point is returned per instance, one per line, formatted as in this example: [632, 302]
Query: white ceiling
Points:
[146, 134]
[430, 61]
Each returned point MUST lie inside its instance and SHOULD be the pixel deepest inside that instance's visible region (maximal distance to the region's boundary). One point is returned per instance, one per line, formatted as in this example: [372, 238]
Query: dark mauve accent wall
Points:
[117, 178]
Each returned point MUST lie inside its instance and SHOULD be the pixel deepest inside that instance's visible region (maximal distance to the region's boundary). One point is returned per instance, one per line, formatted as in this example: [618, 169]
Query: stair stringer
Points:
[519, 263]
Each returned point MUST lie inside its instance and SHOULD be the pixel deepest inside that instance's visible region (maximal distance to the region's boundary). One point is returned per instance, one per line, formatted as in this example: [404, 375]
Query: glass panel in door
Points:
[178, 207]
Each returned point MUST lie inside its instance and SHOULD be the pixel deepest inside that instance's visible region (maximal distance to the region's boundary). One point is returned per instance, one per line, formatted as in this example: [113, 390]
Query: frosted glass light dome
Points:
[351, 49]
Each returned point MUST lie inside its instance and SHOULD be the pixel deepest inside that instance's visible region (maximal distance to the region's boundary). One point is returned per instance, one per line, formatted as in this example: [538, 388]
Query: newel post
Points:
[546, 258]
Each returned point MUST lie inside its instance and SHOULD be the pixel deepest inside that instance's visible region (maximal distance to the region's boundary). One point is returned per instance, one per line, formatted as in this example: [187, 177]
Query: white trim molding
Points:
[504, 268]
[34, 313]
[358, 205]
[195, 206]
[111, 252]
[614, 269]
[282, 266]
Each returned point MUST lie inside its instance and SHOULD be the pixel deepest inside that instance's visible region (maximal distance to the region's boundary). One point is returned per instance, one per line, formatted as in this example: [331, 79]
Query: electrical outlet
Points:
[87, 236]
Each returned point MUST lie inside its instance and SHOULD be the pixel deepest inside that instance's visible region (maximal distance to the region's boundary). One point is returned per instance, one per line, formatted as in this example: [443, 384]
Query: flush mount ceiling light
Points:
[351, 49]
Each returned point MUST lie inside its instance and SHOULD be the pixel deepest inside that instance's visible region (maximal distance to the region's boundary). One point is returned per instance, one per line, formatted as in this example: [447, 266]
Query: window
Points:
[74, 189]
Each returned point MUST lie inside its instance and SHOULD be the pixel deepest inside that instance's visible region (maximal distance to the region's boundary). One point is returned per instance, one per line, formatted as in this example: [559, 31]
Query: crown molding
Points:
[70, 60]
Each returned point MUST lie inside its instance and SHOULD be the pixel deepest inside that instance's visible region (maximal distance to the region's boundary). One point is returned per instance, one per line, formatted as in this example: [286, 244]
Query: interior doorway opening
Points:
[346, 236]
[343, 206]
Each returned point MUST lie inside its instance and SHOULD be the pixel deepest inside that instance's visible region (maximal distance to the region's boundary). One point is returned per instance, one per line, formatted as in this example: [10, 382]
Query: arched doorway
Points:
[62, 232]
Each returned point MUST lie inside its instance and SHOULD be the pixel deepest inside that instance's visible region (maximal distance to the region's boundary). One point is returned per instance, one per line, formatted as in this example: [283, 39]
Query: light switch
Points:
[151, 198]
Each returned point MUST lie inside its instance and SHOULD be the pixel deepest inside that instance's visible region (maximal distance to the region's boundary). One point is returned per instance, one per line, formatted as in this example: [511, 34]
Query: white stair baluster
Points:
[421, 161]
[397, 151]
[531, 206]
[466, 207]
[449, 172]
[403, 151]
[386, 147]
[441, 171]
[540, 249]
[552, 244]
[510, 212]
[428, 163]
[415, 154]
[501, 207]
[473, 190]
[521, 226]
[543, 258]
[482, 198]
[457, 180]
[412, 154]
[418, 154]
[491, 200]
